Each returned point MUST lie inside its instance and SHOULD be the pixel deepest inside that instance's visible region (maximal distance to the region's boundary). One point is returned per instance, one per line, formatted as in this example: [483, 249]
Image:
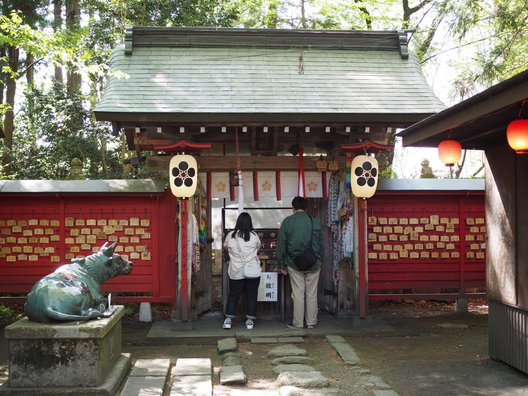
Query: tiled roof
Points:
[176, 72]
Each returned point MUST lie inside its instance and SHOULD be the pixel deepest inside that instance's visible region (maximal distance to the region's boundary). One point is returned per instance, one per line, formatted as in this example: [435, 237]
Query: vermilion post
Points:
[255, 186]
[278, 185]
[183, 244]
[362, 255]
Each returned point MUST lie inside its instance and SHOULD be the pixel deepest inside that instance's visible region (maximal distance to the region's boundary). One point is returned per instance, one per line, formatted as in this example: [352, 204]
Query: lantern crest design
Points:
[183, 175]
[449, 151]
[364, 176]
[517, 135]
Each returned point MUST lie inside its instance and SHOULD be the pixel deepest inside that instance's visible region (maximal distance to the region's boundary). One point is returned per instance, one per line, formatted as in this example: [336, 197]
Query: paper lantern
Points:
[517, 135]
[364, 176]
[449, 151]
[183, 175]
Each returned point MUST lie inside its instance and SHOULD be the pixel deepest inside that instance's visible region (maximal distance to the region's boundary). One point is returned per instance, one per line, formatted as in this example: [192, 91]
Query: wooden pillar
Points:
[184, 256]
[362, 258]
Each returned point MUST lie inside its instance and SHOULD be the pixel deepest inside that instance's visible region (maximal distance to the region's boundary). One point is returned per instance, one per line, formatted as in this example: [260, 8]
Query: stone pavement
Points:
[292, 363]
[208, 329]
[428, 354]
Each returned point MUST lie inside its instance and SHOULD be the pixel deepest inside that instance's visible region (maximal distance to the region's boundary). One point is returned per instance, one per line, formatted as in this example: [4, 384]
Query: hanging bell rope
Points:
[239, 173]
[237, 151]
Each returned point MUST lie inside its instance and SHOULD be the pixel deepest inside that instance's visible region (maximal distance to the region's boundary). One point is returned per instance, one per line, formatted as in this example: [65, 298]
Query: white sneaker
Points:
[249, 324]
[227, 323]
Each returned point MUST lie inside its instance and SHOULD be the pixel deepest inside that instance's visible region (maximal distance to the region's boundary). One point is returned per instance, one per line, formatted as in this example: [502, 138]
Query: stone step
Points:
[192, 385]
[148, 377]
[232, 375]
[151, 367]
[288, 390]
[192, 376]
[281, 368]
[310, 379]
[286, 350]
[345, 351]
[143, 386]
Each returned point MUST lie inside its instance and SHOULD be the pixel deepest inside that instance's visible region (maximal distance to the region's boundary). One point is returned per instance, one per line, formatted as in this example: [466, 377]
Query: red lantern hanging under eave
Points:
[449, 151]
[517, 135]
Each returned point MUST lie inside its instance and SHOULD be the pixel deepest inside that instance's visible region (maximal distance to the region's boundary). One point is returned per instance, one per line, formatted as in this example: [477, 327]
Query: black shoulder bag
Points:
[306, 258]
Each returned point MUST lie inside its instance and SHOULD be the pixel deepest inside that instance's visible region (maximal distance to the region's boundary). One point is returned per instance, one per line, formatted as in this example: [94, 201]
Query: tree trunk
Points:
[3, 75]
[57, 26]
[73, 14]
[406, 14]
[366, 13]
[11, 86]
[303, 15]
[104, 161]
[123, 153]
[30, 70]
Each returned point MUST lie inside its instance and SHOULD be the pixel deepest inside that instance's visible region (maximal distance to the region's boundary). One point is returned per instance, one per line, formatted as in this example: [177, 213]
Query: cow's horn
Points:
[109, 250]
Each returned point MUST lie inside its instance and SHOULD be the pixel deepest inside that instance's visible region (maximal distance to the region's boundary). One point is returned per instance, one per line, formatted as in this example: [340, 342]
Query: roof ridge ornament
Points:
[203, 37]
[129, 40]
[404, 48]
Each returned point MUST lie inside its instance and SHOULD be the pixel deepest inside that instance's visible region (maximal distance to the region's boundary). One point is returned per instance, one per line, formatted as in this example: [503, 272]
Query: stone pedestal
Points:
[67, 358]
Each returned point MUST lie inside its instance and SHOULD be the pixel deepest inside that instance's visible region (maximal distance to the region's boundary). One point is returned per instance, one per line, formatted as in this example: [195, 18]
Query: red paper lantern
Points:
[449, 151]
[517, 135]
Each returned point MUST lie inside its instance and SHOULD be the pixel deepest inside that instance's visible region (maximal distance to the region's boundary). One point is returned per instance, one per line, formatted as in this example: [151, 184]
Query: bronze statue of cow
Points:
[73, 291]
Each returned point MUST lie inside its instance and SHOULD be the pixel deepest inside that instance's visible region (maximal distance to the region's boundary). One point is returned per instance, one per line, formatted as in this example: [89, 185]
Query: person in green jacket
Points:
[295, 234]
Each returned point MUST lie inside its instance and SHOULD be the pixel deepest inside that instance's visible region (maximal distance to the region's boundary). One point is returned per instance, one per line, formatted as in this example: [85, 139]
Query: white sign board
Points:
[268, 288]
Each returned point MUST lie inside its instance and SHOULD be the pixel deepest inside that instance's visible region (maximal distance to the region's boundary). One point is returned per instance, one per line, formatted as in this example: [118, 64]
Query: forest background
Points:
[54, 63]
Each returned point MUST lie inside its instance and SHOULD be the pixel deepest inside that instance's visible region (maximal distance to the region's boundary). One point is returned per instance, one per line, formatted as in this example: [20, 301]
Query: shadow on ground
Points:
[422, 348]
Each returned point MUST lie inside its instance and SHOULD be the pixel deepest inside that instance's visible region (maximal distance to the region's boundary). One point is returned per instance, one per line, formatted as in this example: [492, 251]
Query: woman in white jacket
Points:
[242, 245]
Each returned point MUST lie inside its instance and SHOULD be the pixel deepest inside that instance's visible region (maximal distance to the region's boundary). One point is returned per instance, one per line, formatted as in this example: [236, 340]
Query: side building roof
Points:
[257, 75]
[111, 186]
[478, 122]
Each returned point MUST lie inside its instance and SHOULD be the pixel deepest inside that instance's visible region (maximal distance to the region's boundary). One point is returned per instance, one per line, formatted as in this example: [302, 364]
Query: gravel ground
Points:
[430, 350]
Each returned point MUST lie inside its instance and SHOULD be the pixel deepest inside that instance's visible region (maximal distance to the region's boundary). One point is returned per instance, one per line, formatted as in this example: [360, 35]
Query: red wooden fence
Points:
[420, 243]
[40, 231]
[426, 244]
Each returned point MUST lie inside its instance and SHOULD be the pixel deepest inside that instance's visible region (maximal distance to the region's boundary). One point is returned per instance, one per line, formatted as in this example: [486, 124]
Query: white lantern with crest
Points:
[364, 180]
[183, 175]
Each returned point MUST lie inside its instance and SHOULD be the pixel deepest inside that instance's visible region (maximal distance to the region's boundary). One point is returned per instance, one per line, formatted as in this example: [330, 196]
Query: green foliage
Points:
[6, 312]
[131, 309]
[15, 33]
[318, 14]
[120, 14]
[495, 34]
[55, 127]
[64, 48]
[388, 173]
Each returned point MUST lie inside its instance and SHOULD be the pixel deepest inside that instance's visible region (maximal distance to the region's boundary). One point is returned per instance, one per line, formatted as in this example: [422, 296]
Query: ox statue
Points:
[73, 291]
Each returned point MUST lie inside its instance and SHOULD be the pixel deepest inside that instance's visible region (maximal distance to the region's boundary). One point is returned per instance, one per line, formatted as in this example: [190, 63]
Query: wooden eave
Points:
[126, 119]
[347, 131]
[478, 122]
[329, 138]
[247, 163]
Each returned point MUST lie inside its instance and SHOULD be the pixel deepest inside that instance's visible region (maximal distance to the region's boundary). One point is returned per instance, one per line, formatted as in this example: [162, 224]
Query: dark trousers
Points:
[236, 287]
